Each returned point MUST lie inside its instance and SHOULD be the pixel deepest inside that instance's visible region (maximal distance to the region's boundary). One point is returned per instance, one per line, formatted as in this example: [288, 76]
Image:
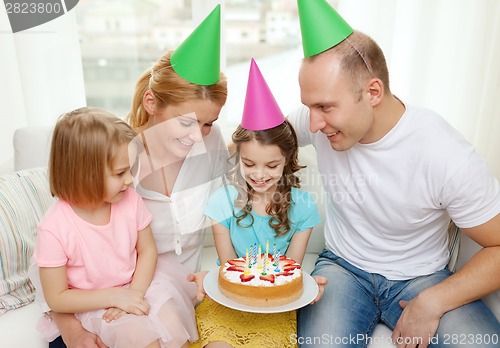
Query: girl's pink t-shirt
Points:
[95, 257]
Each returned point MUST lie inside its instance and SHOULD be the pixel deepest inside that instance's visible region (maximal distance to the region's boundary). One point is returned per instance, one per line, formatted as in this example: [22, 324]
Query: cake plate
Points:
[211, 285]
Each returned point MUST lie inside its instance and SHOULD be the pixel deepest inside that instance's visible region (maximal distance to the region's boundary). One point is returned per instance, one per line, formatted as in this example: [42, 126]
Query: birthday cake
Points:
[261, 281]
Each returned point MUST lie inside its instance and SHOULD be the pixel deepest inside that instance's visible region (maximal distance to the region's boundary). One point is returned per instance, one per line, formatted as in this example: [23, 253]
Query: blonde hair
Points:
[285, 138]
[169, 88]
[84, 144]
[361, 59]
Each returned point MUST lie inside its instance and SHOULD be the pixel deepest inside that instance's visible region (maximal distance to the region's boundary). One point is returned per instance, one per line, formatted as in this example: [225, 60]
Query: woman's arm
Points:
[72, 332]
[147, 256]
[298, 244]
[223, 243]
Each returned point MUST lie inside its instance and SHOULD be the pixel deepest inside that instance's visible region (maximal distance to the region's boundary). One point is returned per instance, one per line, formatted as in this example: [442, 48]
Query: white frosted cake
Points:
[262, 281]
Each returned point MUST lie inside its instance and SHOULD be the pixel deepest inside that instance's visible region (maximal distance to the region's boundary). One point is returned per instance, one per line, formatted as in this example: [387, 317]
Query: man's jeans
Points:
[355, 301]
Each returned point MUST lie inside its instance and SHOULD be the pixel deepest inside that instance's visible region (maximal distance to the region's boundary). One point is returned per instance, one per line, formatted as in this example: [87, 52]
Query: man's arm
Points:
[420, 317]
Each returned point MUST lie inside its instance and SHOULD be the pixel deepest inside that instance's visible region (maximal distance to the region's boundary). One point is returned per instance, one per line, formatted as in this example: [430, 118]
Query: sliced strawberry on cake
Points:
[287, 262]
[268, 277]
[239, 263]
[289, 268]
[283, 274]
[236, 268]
[246, 277]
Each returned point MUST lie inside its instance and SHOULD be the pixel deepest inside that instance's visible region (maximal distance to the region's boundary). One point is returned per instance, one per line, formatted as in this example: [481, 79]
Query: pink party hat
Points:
[261, 110]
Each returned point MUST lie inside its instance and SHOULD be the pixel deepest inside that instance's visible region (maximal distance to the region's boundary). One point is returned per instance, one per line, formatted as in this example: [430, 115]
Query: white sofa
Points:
[24, 195]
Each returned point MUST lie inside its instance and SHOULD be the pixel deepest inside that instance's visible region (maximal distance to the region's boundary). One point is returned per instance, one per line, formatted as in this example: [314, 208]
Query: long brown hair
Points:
[285, 138]
[169, 88]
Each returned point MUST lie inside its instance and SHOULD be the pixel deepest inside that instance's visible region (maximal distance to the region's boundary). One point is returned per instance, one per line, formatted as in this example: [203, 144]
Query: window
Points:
[121, 38]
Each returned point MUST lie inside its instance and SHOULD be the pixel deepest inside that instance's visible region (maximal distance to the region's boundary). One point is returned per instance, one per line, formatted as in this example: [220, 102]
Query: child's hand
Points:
[198, 279]
[131, 301]
[321, 281]
[113, 313]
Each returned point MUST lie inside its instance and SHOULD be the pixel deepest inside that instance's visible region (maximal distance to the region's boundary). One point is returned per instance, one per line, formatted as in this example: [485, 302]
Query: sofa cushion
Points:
[31, 147]
[24, 198]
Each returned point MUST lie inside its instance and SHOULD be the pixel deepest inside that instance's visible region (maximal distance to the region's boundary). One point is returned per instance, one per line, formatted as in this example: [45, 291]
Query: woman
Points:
[181, 156]
[184, 155]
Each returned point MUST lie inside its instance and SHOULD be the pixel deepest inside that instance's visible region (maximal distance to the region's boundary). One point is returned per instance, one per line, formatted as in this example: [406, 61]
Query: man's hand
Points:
[321, 281]
[197, 278]
[417, 325]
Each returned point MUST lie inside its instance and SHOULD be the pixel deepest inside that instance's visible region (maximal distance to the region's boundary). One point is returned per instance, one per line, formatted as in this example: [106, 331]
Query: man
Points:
[395, 175]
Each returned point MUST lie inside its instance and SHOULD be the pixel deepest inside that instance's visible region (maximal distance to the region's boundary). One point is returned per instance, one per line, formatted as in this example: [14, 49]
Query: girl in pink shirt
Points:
[95, 249]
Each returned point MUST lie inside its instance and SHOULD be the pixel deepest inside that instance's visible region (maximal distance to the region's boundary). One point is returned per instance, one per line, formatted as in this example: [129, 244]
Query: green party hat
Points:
[197, 59]
[321, 26]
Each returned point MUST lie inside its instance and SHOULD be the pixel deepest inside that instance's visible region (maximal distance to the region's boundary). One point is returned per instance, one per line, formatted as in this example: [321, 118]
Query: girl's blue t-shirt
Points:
[303, 215]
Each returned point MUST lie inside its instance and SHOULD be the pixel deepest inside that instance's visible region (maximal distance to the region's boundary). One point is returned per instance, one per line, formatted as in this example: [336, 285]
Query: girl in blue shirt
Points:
[261, 203]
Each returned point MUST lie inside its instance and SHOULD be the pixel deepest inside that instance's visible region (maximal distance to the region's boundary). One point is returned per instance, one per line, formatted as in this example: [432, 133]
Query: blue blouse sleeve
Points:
[304, 212]
[220, 205]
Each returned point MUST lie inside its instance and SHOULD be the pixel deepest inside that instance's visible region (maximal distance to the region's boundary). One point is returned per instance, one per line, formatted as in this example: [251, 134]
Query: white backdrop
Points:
[41, 76]
[442, 54]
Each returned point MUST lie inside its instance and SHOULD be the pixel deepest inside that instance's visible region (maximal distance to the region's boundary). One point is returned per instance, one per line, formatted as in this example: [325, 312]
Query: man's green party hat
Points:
[321, 26]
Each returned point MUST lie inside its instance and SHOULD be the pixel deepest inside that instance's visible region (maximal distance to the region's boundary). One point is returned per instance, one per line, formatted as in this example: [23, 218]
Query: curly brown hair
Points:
[285, 138]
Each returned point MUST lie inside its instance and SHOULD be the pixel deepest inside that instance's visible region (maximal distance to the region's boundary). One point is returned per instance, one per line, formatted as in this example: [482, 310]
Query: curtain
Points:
[444, 55]
[42, 76]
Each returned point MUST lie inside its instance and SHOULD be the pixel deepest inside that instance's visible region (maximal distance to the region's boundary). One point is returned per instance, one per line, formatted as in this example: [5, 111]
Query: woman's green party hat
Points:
[197, 59]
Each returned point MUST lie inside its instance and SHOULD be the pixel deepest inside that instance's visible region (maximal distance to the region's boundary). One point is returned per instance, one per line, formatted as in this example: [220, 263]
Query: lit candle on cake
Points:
[264, 264]
[259, 258]
[254, 253]
[274, 255]
[247, 264]
[277, 257]
[249, 261]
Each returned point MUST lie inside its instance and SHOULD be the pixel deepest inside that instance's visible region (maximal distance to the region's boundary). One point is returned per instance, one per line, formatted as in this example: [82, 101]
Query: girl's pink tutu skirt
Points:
[171, 319]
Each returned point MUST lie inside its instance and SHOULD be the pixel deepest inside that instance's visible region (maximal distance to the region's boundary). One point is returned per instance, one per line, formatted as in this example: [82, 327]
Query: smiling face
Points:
[261, 165]
[345, 117]
[179, 127]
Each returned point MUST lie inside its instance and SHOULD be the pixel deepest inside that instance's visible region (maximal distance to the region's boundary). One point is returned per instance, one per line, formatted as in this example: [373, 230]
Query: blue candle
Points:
[274, 255]
[277, 269]
[254, 253]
